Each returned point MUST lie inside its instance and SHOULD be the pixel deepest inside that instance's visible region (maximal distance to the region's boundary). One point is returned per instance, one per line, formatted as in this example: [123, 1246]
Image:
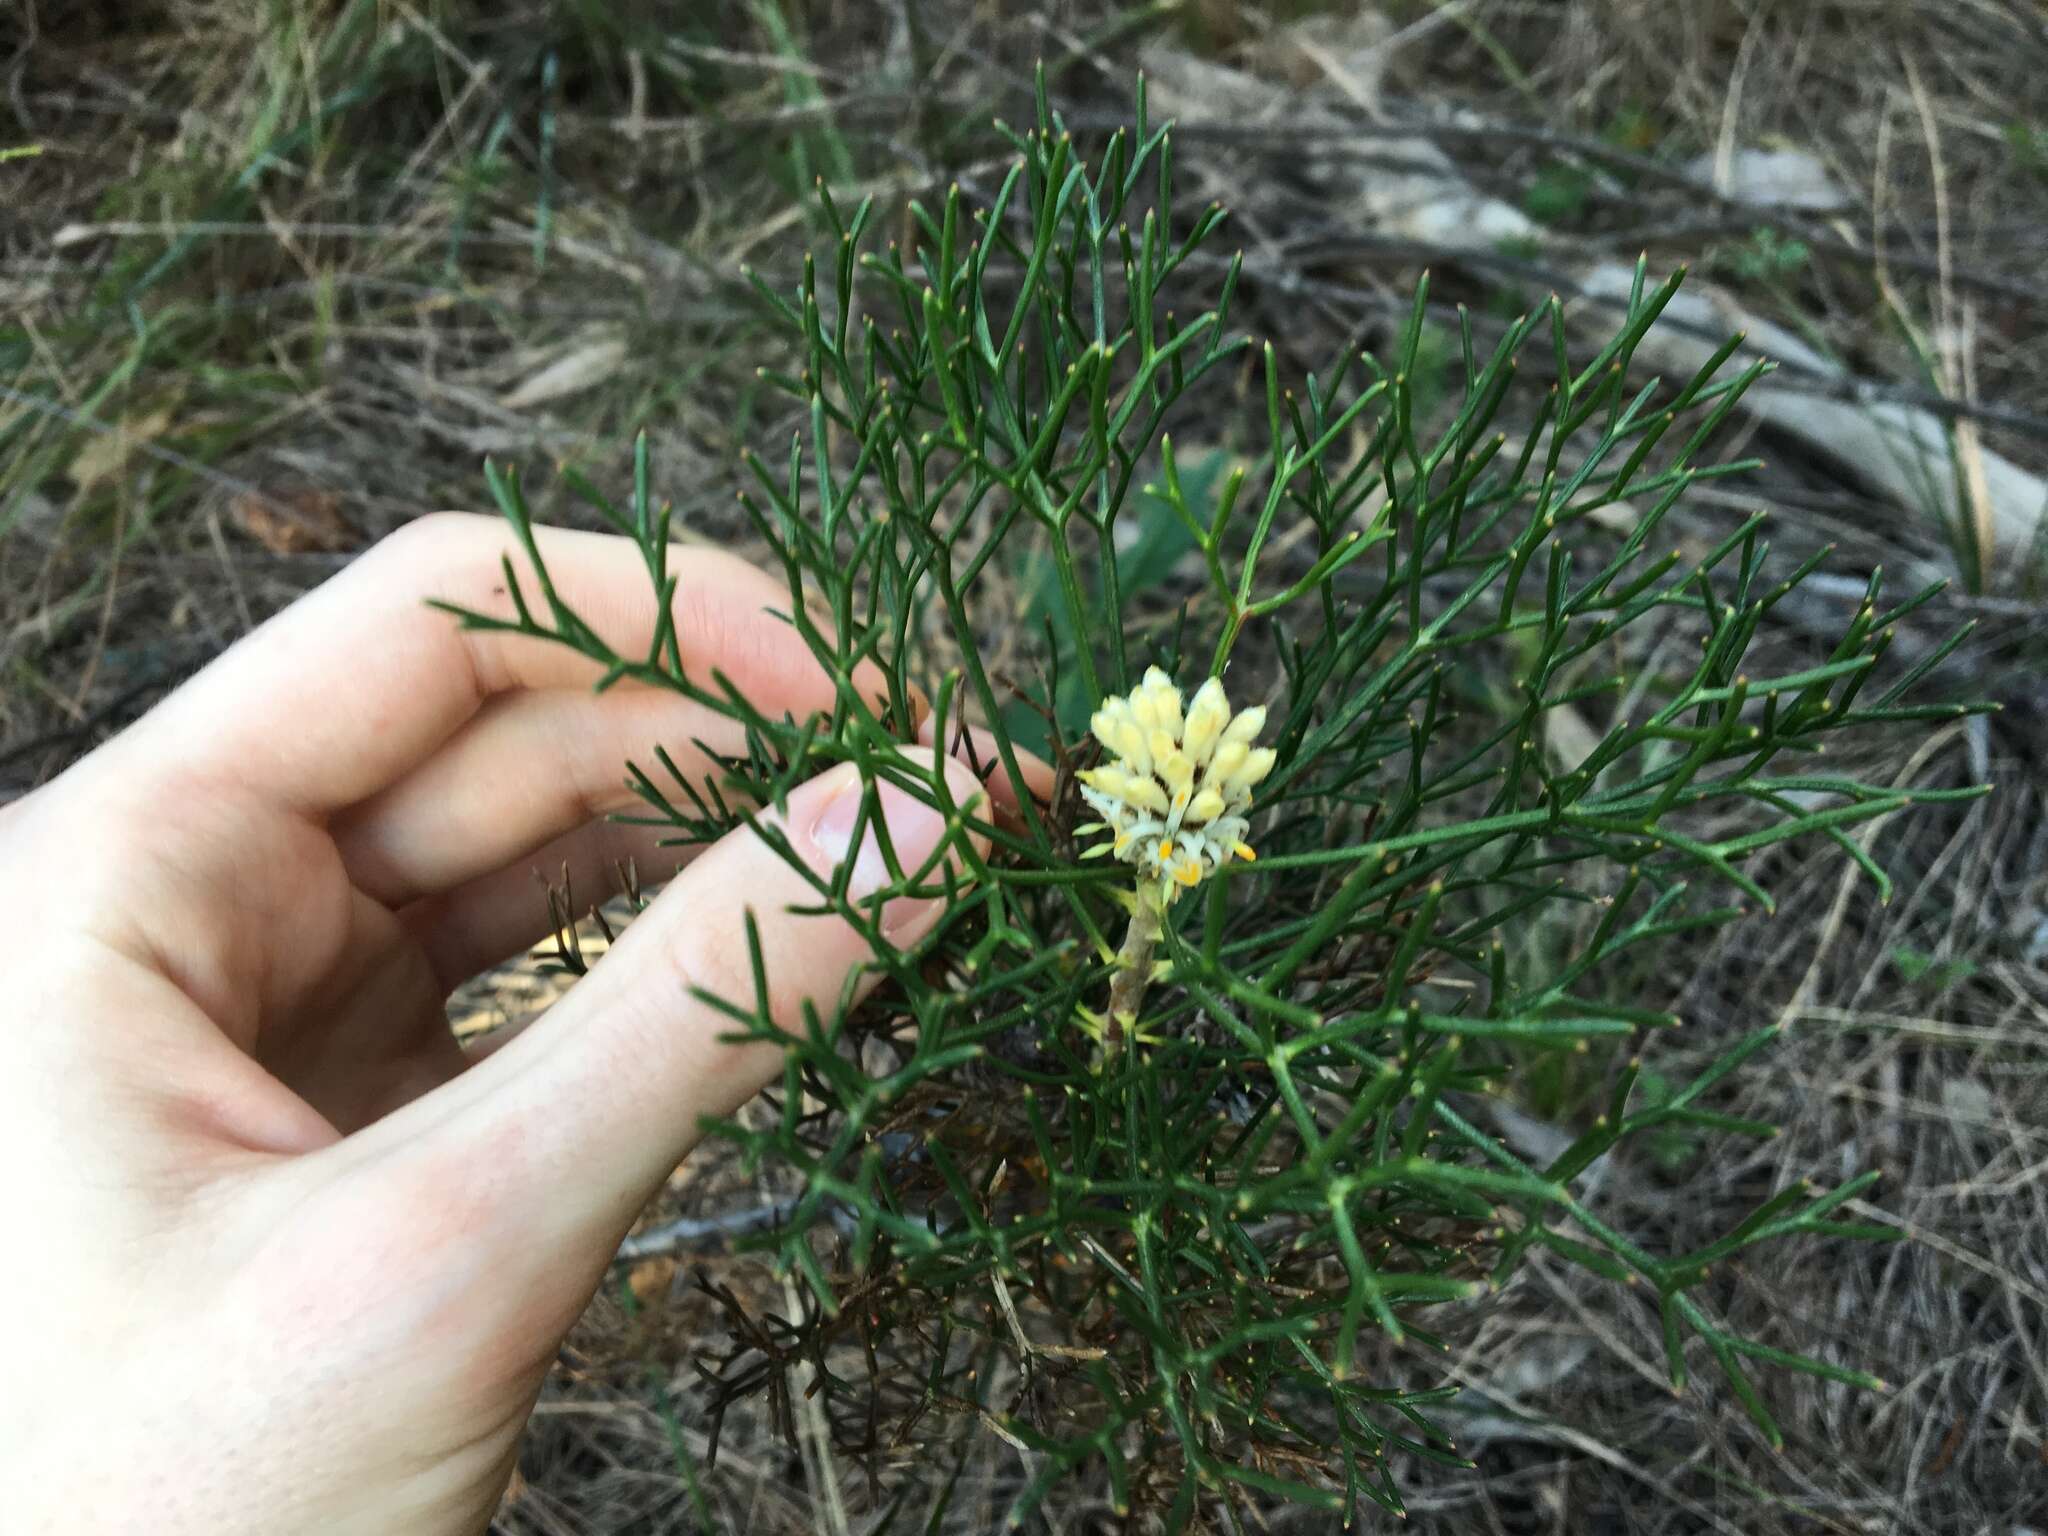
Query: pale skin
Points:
[283, 1255]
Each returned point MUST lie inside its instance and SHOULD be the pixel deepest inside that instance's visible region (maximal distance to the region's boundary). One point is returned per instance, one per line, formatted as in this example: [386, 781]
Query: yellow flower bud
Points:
[1247, 725]
[1228, 759]
[1257, 764]
[1129, 744]
[1166, 702]
[1146, 795]
[1113, 782]
[1207, 716]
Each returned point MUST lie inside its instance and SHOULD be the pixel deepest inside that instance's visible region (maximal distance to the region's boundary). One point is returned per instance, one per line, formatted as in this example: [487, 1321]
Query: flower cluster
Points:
[1175, 795]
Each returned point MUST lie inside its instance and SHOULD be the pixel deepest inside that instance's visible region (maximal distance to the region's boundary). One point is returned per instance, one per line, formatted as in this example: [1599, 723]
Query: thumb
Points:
[578, 1120]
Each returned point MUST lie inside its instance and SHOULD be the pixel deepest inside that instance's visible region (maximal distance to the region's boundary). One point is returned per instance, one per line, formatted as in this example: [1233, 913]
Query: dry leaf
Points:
[1570, 739]
[1616, 517]
[1781, 178]
[104, 455]
[649, 1281]
[591, 363]
[297, 522]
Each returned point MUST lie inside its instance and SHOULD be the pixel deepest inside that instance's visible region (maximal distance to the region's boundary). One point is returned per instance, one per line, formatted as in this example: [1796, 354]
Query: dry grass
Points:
[281, 275]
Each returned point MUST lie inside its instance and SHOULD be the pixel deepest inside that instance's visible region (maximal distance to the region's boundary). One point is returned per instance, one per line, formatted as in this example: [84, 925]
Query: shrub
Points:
[1149, 1159]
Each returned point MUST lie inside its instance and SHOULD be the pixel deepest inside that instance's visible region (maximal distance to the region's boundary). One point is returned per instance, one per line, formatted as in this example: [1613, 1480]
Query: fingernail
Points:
[915, 830]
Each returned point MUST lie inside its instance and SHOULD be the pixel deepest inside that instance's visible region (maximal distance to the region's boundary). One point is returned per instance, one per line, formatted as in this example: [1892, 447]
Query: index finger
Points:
[347, 690]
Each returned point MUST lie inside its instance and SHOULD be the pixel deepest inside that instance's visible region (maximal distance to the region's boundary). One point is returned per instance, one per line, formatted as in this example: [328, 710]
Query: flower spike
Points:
[1177, 790]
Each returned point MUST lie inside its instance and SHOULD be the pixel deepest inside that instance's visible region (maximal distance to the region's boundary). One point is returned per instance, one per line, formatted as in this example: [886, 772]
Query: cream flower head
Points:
[1175, 794]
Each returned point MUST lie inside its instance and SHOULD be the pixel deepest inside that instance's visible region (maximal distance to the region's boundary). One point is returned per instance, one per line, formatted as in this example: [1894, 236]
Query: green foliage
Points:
[1671, 1146]
[1916, 965]
[2029, 145]
[1190, 1263]
[1767, 257]
[824, 147]
[1634, 126]
[1557, 194]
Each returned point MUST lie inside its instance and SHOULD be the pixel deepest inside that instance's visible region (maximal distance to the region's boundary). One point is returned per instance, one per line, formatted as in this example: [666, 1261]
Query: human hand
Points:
[284, 1257]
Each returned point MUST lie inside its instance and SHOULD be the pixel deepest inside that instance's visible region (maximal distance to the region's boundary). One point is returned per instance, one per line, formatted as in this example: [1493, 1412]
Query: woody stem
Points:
[1133, 970]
